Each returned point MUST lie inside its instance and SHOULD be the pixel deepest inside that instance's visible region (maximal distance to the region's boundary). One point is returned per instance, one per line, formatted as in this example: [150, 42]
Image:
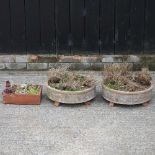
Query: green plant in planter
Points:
[27, 89]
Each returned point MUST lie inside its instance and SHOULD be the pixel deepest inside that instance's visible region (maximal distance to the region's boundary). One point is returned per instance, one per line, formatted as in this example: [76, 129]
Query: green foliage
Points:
[117, 85]
[27, 89]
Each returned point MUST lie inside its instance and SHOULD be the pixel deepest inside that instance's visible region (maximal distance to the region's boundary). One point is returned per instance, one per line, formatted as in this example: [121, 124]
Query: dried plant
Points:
[116, 70]
[143, 77]
[120, 77]
[63, 79]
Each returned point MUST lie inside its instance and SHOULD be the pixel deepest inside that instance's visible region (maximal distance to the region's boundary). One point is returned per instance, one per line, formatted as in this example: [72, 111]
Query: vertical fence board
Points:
[77, 26]
[62, 26]
[33, 33]
[17, 26]
[122, 28]
[136, 27]
[92, 26]
[4, 26]
[129, 26]
[150, 27]
[107, 26]
[47, 26]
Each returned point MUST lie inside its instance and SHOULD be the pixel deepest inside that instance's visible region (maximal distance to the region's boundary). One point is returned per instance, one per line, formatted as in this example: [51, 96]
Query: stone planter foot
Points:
[87, 103]
[111, 104]
[146, 104]
[56, 104]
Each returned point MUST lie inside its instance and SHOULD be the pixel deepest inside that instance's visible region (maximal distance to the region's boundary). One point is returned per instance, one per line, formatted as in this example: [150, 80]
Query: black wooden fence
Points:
[77, 26]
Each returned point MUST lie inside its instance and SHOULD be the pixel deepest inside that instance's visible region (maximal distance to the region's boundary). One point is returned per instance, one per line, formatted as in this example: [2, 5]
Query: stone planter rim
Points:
[127, 92]
[72, 92]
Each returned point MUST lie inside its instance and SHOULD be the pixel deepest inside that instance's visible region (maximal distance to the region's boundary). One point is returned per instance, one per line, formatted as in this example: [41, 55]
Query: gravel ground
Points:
[74, 130]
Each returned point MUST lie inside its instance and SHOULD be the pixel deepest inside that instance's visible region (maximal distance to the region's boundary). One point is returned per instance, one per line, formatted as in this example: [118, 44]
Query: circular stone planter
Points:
[127, 98]
[71, 97]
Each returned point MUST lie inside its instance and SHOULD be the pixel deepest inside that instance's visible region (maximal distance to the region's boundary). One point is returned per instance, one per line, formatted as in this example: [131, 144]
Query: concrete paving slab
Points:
[74, 129]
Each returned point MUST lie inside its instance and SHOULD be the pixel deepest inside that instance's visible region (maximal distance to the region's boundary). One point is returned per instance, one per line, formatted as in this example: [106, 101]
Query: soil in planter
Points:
[62, 79]
[120, 77]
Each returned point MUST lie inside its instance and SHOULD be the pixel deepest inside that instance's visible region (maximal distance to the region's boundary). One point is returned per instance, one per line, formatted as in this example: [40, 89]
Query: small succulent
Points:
[21, 89]
[8, 88]
[27, 89]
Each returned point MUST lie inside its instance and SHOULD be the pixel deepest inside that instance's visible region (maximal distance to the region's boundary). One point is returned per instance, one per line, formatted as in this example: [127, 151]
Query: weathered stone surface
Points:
[7, 58]
[137, 66]
[97, 66]
[63, 58]
[121, 58]
[127, 98]
[148, 61]
[129, 64]
[37, 66]
[151, 66]
[115, 58]
[56, 65]
[79, 62]
[147, 58]
[91, 59]
[107, 59]
[15, 66]
[78, 66]
[2, 66]
[67, 59]
[133, 58]
[71, 97]
[21, 58]
[72, 66]
[43, 58]
[33, 58]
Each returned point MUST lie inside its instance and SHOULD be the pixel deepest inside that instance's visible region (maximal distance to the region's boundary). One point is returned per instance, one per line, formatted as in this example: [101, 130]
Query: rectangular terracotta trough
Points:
[22, 99]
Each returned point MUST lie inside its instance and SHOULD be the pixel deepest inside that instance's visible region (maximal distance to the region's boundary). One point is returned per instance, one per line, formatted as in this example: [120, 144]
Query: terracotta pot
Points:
[127, 98]
[22, 99]
[71, 97]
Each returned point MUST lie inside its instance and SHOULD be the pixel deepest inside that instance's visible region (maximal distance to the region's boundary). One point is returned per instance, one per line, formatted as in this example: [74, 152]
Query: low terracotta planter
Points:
[22, 99]
[71, 97]
[127, 98]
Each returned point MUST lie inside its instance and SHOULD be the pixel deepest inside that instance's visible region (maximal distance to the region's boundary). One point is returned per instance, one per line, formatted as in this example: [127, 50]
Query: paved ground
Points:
[74, 130]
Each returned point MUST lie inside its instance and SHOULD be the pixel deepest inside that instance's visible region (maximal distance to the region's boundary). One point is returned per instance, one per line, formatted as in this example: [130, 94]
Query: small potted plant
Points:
[64, 86]
[123, 86]
[24, 94]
